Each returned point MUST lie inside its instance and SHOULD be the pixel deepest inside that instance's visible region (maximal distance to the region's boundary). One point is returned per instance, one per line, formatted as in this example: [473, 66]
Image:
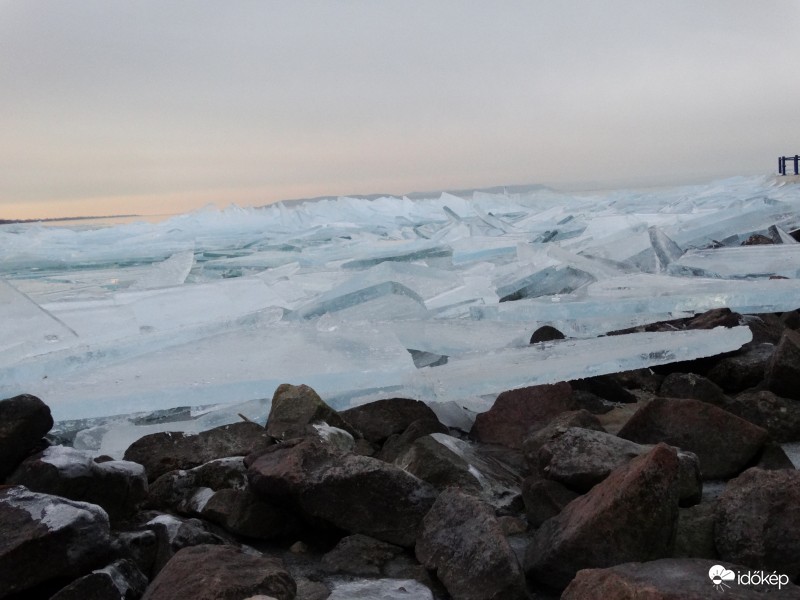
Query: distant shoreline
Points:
[50, 219]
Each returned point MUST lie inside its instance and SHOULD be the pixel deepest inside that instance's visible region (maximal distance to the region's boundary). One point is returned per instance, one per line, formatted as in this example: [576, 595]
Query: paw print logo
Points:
[719, 575]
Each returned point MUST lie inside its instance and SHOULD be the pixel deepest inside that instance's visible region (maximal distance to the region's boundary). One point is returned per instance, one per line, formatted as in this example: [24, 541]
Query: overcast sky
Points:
[110, 107]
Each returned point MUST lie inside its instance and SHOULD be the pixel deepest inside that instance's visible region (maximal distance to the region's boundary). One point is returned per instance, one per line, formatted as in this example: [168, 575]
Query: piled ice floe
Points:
[431, 298]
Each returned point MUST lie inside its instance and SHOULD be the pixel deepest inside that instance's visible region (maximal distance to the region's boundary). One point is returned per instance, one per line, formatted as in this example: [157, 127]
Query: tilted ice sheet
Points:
[741, 262]
[542, 363]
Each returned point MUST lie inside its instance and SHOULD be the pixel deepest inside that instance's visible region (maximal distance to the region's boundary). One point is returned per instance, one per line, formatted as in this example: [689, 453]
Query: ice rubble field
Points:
[433, 298]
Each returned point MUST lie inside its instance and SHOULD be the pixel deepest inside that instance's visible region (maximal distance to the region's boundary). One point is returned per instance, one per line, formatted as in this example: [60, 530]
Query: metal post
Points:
[781, 166]
[796, 164]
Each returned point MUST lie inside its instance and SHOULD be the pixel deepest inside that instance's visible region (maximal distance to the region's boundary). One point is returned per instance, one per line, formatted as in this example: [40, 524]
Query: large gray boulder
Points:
[783, 369]
[462, 541]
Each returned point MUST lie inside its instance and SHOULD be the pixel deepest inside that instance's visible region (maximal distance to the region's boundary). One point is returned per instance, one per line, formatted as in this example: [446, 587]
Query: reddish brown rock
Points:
[758, 521]
[515, 412]
[783, 369]
[724, 443]
[216, 572]
[668, 579]
[630, 516]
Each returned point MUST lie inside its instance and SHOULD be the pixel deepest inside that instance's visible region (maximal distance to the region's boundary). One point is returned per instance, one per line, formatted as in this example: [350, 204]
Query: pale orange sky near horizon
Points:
[160, 107]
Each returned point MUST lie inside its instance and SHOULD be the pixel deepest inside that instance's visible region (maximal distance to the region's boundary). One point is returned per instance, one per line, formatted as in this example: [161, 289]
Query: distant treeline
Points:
[9, 221]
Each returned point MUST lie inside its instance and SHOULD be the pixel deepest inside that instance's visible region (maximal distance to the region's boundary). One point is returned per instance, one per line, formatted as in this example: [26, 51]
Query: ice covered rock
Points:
[24, 421]
[172, 490]
[210, 572]
[47, 538]
[118, 486]
[174, 533]
[385, 589]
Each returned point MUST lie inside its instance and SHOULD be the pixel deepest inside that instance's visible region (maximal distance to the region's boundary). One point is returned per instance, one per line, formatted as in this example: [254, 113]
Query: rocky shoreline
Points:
[633, 485]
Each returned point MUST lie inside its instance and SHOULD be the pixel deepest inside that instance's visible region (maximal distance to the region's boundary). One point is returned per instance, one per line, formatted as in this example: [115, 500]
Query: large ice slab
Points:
[490, 373]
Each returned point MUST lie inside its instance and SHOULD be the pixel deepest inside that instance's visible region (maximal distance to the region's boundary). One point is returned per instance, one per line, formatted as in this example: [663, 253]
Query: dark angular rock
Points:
[758, 521]
[24, 421]
[296, 406]
[668, 579]
[121, 580]
[173, 490]
[208, 572]
[535, 439]
[45, 538]
[544, 499]
[359, 494]
[140, 547]
[174, 534]
[398, 443]
[766, 328]
[716, 317]
[515, 412]
[360, 555]
[742, 370]
[773, 458]
[783, 369]
[462, 541]
[631, 515]
[691, 385]
[758, 239]
[168, 451]
[118, 486]
[242, 513]
[546, 333]
[779, 416]
[791, 319]
[694, 537]
[376, 421]
[605, 386]
[724, 443]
